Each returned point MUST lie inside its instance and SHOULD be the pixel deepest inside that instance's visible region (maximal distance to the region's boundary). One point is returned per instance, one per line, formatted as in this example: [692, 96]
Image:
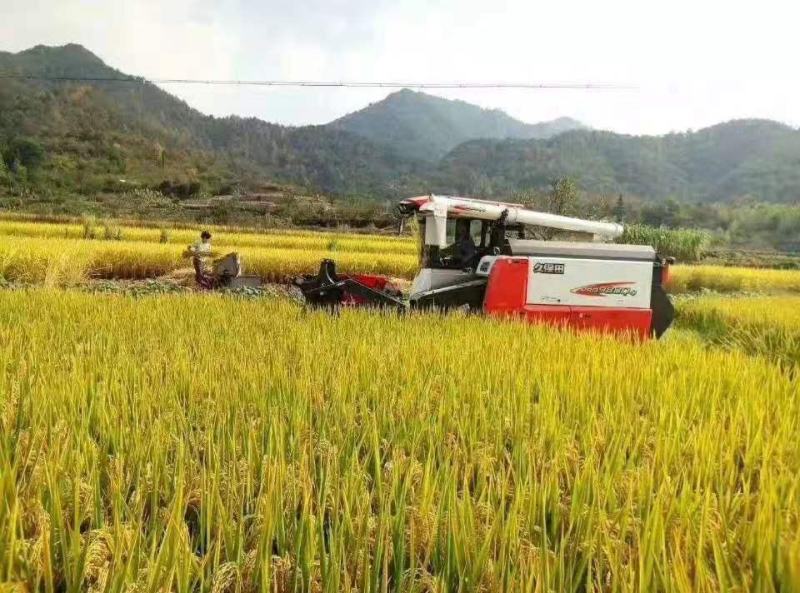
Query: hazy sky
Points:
[694, 62]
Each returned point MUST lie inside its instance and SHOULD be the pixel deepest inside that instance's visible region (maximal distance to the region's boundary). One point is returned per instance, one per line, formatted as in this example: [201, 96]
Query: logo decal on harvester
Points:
[606, 289]
[547, 268]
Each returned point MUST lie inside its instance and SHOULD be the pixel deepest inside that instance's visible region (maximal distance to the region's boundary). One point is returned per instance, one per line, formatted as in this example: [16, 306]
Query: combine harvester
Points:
[474, 256]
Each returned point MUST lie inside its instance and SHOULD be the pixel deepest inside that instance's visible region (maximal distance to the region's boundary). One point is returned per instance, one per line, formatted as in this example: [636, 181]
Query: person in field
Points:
[200, 253]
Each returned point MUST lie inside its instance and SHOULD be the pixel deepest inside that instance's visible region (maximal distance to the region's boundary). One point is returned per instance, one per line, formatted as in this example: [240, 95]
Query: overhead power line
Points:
[329, 83]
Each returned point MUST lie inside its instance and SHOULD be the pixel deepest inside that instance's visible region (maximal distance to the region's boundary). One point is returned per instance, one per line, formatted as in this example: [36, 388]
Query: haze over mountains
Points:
[94, 136]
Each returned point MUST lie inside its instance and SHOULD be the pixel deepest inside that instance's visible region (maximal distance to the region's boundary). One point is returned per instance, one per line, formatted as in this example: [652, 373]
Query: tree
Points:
[160, 154]
[563, 197]
[619, 209]
[25, 152]
[5, 175]
[20, 172]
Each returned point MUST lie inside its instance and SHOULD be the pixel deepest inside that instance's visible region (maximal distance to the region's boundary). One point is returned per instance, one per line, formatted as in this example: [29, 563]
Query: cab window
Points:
[475, 230]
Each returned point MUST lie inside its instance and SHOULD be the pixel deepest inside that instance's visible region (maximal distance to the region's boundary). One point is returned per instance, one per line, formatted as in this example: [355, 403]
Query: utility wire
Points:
[323, 83]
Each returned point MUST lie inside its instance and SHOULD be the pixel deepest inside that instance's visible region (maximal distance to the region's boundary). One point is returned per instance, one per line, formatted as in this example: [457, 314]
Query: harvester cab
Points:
[474, 255]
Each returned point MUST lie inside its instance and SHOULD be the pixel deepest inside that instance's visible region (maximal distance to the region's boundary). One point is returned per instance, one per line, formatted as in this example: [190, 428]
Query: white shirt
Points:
[201, 248]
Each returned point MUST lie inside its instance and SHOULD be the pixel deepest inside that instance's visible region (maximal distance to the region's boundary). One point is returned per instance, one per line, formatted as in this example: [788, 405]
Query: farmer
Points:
[200, 253]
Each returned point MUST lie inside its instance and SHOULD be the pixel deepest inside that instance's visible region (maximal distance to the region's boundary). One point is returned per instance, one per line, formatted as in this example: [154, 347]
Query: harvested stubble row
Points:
[204, 443]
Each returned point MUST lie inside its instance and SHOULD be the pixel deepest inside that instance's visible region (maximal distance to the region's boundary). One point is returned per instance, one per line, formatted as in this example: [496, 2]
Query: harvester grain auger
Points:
[474, 256]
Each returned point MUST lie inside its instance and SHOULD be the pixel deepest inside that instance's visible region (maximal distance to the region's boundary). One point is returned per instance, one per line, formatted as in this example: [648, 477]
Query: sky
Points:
[692, 63]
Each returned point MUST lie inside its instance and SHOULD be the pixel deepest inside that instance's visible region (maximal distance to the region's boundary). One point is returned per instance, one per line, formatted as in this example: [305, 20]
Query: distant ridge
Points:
[741, 159]
[95, 133]
[63, 138]
[425, 127]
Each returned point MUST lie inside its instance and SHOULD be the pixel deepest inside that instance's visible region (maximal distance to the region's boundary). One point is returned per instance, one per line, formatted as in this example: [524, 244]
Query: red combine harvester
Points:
[474, 256]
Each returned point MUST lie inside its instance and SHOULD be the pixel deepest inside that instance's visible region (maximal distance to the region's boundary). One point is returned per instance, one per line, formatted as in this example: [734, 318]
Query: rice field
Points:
[223, 238]
[196, 443]
[64, 262]
[724, 279]
[58, 255]
[764, 326]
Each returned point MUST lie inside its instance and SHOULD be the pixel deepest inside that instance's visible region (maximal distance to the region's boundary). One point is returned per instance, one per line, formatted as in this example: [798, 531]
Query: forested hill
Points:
[421, 126]
[757, 159]
[64, 137]
[87, 135]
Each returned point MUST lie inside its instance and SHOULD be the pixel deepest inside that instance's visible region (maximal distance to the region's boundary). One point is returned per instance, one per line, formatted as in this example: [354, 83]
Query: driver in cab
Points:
[464, 249]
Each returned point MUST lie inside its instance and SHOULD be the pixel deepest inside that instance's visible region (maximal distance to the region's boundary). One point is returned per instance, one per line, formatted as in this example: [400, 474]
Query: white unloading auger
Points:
[443, 207]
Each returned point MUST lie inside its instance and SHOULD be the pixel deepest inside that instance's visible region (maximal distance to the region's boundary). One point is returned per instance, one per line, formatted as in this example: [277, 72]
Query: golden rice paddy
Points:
[202, 442]
[207, 443]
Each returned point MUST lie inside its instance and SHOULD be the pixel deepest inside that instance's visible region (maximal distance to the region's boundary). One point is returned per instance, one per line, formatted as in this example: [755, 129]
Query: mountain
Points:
[62, 138]
[95, 132]
[421, 126]
[758, 159]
